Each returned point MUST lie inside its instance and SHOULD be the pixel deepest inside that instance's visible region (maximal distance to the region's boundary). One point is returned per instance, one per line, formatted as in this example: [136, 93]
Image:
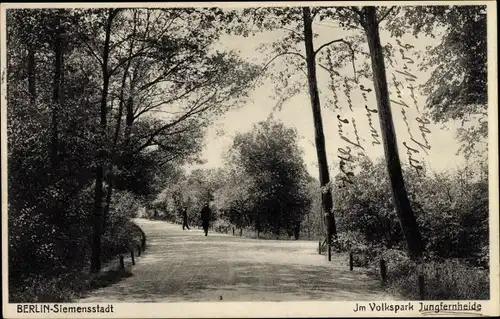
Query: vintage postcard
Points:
[249, 159]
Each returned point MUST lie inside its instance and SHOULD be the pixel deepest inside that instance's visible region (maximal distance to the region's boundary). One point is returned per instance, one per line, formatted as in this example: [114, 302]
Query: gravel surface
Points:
[187, 266]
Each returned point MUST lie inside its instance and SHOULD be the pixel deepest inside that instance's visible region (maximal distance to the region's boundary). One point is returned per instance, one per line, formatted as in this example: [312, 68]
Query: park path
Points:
[187, 266]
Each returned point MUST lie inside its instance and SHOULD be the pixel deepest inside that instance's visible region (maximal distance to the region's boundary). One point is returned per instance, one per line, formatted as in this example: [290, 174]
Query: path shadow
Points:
[186, 266]
[311, 283]
[107, 278]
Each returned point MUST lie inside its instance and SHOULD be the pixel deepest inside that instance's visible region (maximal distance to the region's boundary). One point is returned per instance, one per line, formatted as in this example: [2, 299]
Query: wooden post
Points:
[319, 247]
[421, 287]
[351, 266]
[132, 256]
[122, 263]
[383, 271]
[138, 250]
[233, 231]
[329, 244]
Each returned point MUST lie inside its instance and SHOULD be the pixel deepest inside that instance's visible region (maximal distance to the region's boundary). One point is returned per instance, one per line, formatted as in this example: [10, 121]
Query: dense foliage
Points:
[458, 86]
[264, 185]
[451, 209]
[272, 162]
[104, 105]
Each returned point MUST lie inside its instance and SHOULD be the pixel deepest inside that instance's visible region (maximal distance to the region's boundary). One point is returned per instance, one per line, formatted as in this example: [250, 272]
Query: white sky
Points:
[297, 111]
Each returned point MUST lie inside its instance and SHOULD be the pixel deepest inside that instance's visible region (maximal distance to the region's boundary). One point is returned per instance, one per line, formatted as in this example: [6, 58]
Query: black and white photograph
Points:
[249, 152]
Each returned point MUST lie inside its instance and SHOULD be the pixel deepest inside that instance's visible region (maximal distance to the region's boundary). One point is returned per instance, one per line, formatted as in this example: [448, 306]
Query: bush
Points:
[123, 236]
[64, 288]
[49, 263]
[45, 244]
[222, 226]
[74, 279]
[447, 280]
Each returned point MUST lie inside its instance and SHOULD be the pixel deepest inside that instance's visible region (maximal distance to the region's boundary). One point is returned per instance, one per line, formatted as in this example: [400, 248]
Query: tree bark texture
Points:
[403, 208]
[97, 222]
[324, 175]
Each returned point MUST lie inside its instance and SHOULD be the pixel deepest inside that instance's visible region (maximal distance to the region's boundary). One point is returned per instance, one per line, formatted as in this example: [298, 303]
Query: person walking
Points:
[205, 217]
[184, 218]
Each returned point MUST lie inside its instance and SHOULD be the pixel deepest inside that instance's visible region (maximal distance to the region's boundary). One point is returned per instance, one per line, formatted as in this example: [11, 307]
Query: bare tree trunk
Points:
[403, 208]
[32, 73]
[257, 225]
[95, 265]
[129, 106]
[324, 175]
[56, 101]
[129, 120]
[278, 222]
[308, 226]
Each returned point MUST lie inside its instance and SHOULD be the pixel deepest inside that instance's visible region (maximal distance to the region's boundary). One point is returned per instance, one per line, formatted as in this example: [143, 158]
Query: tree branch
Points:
[168, 159]
[386, 14]
[296, 32]
[329, 70]
[175, 98]
[325, 45]
[162, 76]
[195, 110]
[170, 133]
[281, 54]
[165, 28]
[92, 52]
[122, 62]
[360, 15]
[353, 57]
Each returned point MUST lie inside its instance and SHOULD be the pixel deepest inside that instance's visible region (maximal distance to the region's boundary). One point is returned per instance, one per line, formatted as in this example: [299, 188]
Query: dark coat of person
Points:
[206, 213]
[184, 218]
[205, 218]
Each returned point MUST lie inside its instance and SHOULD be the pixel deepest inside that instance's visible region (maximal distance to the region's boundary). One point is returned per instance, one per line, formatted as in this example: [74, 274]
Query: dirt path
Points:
[187, 266]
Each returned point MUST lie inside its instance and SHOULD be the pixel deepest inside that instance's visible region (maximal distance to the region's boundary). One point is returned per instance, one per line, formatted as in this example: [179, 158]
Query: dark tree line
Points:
[102, 103]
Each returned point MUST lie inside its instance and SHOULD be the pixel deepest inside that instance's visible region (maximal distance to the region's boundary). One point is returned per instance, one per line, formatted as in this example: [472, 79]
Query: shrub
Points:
[49, 263]
[63, 288]
[221, 226]
[451, 210]
[447, 280]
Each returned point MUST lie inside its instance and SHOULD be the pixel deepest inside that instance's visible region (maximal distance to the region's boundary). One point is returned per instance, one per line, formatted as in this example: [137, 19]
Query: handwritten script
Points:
[404, 80]
[402, 95]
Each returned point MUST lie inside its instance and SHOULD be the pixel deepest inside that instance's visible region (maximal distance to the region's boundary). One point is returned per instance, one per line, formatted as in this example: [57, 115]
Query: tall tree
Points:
[270, 157]
[237, 197]
[370, 22]
[101, 160]
[297, 23]
[324, 175]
